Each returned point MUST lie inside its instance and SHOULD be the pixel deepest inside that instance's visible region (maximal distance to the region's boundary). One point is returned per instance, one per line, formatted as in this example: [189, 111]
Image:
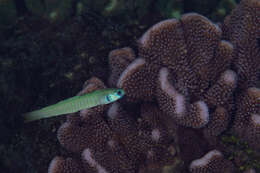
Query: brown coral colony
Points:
[189, 74]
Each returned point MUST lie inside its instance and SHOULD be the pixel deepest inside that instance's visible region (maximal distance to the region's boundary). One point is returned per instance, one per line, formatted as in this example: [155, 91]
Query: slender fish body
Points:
[76, 103]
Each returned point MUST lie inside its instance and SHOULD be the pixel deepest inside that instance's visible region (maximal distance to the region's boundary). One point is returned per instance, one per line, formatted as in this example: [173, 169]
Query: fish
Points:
[76, 103]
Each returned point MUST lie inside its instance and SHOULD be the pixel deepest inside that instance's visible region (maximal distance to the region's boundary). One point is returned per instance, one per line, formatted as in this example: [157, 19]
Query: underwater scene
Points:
[129, 86]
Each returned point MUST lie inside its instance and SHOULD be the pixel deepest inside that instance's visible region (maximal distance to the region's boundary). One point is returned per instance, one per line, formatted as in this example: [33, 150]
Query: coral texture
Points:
[213, 161]
[185, 68]
[242, 29]
[108, 139]
[191, 81]
[201, 76]
[198, 79]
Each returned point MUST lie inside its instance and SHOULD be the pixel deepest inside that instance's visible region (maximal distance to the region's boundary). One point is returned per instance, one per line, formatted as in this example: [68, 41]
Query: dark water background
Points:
[48, 48]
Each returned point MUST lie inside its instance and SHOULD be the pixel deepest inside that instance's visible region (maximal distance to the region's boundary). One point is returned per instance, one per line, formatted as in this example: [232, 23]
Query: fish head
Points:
[114, 95]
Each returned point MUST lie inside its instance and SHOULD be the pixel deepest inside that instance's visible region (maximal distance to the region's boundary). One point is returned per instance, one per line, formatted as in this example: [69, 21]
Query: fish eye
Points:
[119, 92]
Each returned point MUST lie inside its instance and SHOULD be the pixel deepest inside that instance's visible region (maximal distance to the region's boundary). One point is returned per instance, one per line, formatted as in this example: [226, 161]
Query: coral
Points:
[61, 165]
[181, 57]
[120, 59]
[173, 104]
[217, 125]
[247, 120]
[198, 80]
[190, 81]
[109, 139]
[241, 28]
[213, 162]
[190, 150]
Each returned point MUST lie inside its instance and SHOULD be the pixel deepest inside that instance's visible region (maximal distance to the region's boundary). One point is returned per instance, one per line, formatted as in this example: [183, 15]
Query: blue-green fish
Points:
[76, 103]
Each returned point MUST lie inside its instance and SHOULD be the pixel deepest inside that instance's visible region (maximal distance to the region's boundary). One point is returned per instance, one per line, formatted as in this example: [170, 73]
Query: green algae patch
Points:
[240, 153]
